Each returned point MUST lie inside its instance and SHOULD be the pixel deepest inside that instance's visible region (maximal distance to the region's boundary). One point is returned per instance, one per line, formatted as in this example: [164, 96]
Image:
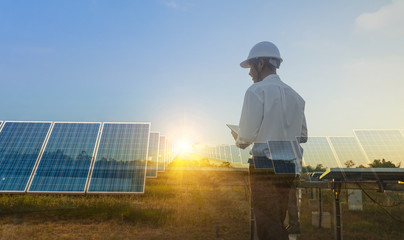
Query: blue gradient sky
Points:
[176, 63]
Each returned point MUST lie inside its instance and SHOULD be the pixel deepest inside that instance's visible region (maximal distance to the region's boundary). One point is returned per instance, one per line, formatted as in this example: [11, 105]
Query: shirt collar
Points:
[271, 77]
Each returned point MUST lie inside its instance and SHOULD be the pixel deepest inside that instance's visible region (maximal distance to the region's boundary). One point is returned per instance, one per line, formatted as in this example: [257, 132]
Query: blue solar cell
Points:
[20, 146]
[152, 162]
[262, 163]
[283, 157]
[65, 163]
[162, 153]
[120, 165]
[281, 150]
[284, 166]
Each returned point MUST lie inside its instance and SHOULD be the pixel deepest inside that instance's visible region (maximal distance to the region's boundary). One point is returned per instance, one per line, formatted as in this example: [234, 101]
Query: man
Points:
[272, 111]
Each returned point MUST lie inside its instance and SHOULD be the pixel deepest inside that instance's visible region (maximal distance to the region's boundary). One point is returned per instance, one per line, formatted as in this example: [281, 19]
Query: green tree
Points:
[383, 164]
[318, 168]
[349, 164]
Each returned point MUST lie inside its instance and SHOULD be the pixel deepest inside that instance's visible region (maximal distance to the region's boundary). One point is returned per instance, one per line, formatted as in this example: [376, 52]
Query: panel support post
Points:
[336, 188]
[320, 208]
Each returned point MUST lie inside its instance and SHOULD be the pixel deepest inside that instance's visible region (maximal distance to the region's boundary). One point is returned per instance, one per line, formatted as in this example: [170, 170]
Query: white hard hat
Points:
[263, 49]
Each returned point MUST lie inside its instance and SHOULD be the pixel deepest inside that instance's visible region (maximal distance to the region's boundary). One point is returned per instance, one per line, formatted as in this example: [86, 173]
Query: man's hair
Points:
[267, 63]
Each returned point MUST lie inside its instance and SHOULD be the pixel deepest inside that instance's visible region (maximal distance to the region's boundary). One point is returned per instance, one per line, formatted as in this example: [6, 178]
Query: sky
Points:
[175, 63]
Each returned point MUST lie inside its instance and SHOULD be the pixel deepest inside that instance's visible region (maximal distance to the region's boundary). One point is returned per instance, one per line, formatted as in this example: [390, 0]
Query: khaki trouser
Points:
[270, 198]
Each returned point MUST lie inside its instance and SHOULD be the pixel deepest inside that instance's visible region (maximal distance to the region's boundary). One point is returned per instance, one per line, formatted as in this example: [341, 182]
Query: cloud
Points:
[388, 20]
[376, 75]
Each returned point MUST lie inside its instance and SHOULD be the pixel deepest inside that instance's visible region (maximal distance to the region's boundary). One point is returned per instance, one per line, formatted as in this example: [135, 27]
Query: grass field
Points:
[193, 199]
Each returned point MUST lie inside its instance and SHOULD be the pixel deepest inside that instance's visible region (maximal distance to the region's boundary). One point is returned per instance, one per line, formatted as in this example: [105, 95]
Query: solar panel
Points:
[1, 123]
[227, 151]
[317, 150]
[66, 160]
[382, 144]
[120, 162]
[348, 149]
[212, 152]
[283, 157]
[162, 153]
[245, 154]
[218, 153]
[235, 153]
[261, 162]
[152, 161]
[20, 146]
[168, 153]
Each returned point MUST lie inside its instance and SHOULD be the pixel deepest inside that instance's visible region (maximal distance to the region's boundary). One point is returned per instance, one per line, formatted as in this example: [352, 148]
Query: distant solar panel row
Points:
[66, 157]
[153, 161]
[228, 153]
[162, 153]
[325, 152]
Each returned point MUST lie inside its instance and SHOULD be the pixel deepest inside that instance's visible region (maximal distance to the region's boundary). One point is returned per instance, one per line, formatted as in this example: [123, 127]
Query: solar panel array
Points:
[120, 164]
[153, 161]
[78, 157]
[226, 153]
[20, 147]
[317, 150]
[283, 157]
[348, 149]
[65, 163]
[235, 153]
[245, 154]
[162, 153]
[382, 144]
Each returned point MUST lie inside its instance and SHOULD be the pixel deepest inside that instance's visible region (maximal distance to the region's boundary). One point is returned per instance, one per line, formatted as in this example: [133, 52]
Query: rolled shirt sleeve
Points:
[250, 120]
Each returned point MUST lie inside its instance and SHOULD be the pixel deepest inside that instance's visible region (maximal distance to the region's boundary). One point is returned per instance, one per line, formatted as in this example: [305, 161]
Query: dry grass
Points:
[179, 204]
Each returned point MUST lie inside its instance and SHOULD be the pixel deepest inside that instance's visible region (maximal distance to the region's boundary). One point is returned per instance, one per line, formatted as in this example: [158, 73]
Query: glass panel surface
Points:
[283, 157]
[262, 163]
[223, 156]
[245, 154]
[348, 149]
[168, 153]
[218, 153]
[227, 151]
[235, 153]
[66, 160]
[20, 146]
[317, 151]
[382, 144]
[120, 164]
[162, 153]
[152, 161]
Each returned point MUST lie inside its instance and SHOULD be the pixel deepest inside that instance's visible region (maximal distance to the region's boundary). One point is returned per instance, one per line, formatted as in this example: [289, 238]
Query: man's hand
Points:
[235, 135]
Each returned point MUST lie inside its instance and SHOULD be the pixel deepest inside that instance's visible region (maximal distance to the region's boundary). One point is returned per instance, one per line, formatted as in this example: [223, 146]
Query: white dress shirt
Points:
[271, 111]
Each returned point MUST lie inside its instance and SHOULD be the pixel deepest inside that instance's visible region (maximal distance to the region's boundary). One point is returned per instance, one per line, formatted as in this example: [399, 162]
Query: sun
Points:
[185, 146]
